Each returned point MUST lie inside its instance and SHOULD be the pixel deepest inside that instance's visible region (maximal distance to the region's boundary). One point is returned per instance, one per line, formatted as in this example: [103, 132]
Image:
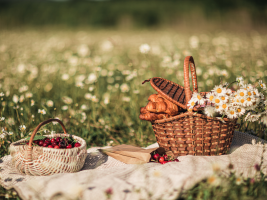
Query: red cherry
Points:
[69, 146]
[27, 143]
[161, 159]
[45, 144]
[77, 144]
[53, 140]
[165, 157]
[164, 162]
[58, 139]
[176, 160]
[56, 147]
[41, 143]
[50, 146]
[36, 141]
[47, 140]
[54, 143]
[156, 156]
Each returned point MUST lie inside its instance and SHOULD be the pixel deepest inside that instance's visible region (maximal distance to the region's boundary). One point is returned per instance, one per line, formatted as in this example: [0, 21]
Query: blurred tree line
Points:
[133, 13]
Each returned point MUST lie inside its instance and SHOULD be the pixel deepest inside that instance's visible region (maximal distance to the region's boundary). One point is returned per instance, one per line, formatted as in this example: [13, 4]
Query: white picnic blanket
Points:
[103, 177]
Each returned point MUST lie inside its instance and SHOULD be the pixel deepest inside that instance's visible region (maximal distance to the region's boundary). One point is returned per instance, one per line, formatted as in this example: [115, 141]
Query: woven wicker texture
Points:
[41, 161]
[191, 133]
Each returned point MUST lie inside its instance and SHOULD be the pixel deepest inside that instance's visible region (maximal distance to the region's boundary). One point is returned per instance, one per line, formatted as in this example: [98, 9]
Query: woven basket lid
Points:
[170, 91]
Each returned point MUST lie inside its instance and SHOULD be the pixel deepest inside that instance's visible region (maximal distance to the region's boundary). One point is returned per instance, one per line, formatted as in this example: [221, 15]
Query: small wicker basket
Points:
[190, 133]
[42, 161]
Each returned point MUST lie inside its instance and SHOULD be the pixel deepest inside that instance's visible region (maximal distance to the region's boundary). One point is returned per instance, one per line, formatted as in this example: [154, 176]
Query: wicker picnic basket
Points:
[190, 133]
[42, 161]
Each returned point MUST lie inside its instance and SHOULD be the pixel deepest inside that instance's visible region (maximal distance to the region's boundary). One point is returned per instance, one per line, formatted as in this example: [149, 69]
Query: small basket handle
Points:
[189, 61]
[43, 123]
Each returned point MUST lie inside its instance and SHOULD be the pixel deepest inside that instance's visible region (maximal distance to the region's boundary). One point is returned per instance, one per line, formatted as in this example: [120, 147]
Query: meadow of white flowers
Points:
[92, 79]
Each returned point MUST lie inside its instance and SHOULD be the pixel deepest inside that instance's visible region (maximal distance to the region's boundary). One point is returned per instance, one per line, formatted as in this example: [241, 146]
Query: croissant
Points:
[151, 107]
[172, 109]
[161, 107]
[148, 116]
[153, 97]
[143, 110]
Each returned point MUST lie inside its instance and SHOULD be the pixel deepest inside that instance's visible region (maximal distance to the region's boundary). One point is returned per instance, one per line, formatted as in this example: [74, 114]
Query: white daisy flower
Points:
[79, 84]
[218, 108]
[43, 112]
[32, 102]
[91, 78]
[224, 107]
[88, 96]
[2, 94]
[252, 117]
[22, 127]
[65, 107]
[15, 99]
[191, 103]
[231, 113]
[238, 180]
[2, 119]
[240, 111]
[224, 99]
[67, 100]
[241, 93]
[262, 85]
[217, 100]
[199, 98]
[124, 87]
[249, 101]
[94, 99]
[240, 80]
[210, 96]
[219, 90]
[144, 48]
[50, 103]
[209, 111]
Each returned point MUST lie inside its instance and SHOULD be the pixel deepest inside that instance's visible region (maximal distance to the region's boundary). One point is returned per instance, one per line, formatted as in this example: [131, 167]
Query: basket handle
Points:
[43, 123]
[189, 61]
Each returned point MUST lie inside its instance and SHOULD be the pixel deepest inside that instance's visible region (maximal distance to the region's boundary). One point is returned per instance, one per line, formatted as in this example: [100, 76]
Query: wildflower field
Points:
[92, 81]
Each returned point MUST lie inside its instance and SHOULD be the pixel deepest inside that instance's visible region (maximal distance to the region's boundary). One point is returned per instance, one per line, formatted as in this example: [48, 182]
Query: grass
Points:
[92, 81]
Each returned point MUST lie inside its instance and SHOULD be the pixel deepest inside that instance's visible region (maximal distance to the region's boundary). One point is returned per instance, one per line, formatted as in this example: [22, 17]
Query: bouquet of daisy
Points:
[247, 102]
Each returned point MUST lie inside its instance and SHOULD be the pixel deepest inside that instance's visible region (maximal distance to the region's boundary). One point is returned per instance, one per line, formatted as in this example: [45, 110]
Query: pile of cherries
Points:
[57, 143]
[162, 159]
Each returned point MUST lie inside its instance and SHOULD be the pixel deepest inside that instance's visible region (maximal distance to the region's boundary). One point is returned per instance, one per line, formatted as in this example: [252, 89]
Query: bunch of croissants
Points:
[158, 108]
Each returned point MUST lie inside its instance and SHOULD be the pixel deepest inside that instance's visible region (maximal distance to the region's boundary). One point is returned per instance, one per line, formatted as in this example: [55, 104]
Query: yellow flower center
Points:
[261, 85]
[223, 98]
[232, 112]
[192, 103]
[248, 99]
[219, 90]
[254, 93]
[224, 106]
[242, 100]
[199, 97]
[241, 94]
[239, 110]
[217, 100]
[249, 94]
[217, 107]
[211, 97]
[237, 100]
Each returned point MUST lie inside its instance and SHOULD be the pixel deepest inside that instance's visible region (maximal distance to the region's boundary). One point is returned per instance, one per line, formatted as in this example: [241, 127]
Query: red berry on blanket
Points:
[165, 157]
[164, 162]
[69, 146]
[161, 159]
[50, 146]
[45, 144]
[77, 144]
[56, 147]
[156, 156]
[53, 140]
[36, 141]
[176, 160]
